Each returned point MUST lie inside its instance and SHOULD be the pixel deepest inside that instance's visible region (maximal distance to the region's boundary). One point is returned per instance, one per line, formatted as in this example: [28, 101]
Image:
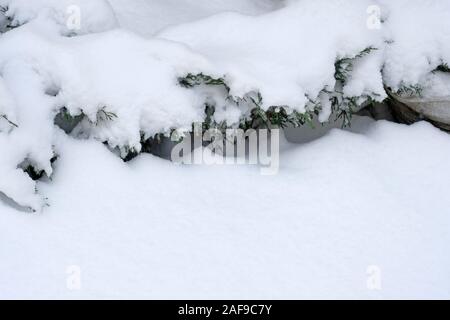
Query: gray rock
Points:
[412, 109]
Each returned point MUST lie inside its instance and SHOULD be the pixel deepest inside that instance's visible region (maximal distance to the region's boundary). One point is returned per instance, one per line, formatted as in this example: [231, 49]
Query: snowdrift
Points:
[302, 59]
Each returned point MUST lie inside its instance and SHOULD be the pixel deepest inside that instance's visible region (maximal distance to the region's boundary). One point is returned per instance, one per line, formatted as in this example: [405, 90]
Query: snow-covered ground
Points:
[356, 213]
[152, 229]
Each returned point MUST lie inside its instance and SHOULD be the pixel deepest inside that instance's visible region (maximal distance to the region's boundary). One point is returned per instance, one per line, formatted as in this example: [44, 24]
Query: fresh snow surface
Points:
[135, 78]
[419, 36]
[146, 17]
[152, 229]
[96, 15]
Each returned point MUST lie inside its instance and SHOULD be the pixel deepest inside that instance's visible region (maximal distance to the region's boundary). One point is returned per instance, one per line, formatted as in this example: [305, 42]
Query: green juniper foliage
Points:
[283, 116]
[344, 107]
[104, 115]
[416, 90]
[66, 120]
[410, 90]
[65, 114]
[275, 117]
[258, 117]
[344, 66]
[278, 117]
[193, 80]
[9, 26]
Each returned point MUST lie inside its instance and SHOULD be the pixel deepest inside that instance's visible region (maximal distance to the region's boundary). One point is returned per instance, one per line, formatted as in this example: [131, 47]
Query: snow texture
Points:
[153, 229]
[338, 205]
[97, 15]
[127, 86]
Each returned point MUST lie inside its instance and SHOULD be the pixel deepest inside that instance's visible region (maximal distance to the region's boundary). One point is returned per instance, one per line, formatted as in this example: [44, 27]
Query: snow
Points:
[268, 53]
[436, 85]
[152, 229]
[136, 82]
[373, 195]
[148, 17]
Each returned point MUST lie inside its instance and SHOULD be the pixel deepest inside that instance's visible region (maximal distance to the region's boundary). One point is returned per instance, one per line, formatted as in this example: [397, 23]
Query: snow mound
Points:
[146, 17]
[125, 87]
[94, 15]
[288, 55]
